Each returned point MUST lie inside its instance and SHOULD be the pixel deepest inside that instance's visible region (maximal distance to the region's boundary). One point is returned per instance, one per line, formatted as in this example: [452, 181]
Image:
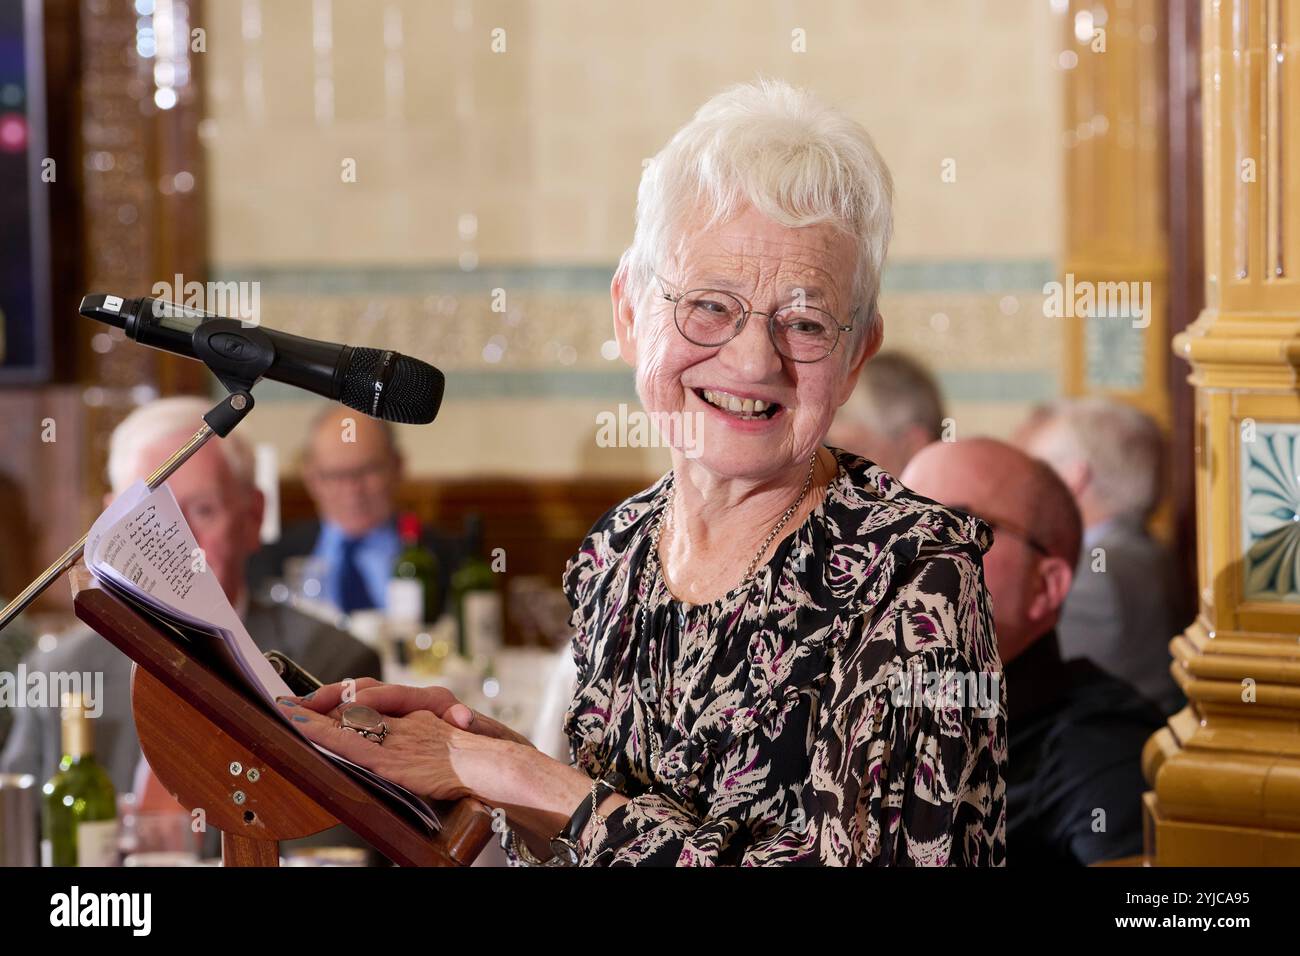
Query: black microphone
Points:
[378, 382]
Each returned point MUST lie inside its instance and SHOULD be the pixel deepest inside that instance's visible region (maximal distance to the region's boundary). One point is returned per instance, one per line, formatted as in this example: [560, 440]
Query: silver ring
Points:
[363, 720]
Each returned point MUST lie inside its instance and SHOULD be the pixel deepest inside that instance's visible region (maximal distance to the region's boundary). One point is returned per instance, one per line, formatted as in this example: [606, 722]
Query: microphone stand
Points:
[238, 369]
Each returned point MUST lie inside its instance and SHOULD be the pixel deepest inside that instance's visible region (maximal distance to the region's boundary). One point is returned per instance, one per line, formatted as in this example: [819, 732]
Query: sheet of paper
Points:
[111, 515]
[148, 547]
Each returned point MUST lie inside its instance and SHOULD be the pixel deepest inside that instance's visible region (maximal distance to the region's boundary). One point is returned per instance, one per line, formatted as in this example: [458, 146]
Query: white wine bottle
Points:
[79, 826]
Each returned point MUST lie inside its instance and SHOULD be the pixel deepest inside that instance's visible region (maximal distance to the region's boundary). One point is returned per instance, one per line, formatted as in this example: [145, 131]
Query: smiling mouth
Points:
[746, 409]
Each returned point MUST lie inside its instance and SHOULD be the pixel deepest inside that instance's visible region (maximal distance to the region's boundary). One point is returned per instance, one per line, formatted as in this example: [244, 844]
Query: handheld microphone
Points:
[380, 383]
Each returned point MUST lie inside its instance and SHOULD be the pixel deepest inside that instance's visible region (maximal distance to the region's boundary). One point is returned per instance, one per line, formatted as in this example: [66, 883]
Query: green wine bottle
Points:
[420, 565]
[79, 826]
[478, 602]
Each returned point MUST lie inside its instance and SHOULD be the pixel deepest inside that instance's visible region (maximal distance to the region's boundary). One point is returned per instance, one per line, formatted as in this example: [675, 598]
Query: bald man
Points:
[352, 469]
[1074, 785]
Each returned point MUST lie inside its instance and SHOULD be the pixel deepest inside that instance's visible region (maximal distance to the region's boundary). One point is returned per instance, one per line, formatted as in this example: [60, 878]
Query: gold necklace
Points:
[771, 535]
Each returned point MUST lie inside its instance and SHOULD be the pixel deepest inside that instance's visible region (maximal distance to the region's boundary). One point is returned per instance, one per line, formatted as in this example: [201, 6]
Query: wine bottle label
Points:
[482, 623]
[405, 601]
[97, 843]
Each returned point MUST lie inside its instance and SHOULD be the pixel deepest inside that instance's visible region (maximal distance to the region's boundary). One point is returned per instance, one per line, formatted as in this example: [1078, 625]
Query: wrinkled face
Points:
[352, 474]
[764, 263]
[223, 513]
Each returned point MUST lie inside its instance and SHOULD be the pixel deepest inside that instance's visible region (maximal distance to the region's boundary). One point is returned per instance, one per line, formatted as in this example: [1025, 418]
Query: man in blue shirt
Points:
[352, 469]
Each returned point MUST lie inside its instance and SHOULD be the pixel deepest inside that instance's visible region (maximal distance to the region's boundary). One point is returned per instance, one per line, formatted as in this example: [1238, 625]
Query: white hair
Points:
[166, 417]
[782, 151]
[1122, 446]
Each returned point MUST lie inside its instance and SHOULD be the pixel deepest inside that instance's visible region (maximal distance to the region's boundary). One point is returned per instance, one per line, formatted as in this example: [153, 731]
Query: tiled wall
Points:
[517, 170]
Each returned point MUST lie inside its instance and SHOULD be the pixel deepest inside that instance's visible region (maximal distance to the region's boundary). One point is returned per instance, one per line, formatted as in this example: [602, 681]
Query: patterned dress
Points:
[824, 713]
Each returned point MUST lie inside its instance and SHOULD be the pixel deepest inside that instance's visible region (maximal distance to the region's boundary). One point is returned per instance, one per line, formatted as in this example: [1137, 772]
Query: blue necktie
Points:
[353, 593]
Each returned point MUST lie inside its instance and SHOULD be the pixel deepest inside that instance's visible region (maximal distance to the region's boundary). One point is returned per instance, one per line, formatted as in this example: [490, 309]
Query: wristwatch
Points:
[565, 843]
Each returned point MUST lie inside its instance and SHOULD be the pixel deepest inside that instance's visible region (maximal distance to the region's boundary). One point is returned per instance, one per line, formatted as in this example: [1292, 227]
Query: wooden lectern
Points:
[255, 779]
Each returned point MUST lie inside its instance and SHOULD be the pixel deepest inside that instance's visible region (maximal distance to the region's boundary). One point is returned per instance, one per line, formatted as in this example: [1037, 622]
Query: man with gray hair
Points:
[1124, 607]
[222, 506]
[896, 410]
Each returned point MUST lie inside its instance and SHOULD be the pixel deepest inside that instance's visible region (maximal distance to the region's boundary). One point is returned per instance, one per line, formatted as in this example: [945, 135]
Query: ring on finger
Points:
[363, 720]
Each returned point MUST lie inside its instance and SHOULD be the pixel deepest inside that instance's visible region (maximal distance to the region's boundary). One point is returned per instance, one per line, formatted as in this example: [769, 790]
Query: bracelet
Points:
[565, 844]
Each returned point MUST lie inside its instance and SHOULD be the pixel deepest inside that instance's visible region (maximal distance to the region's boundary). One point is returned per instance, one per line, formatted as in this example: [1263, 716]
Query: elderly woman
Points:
[747, 628]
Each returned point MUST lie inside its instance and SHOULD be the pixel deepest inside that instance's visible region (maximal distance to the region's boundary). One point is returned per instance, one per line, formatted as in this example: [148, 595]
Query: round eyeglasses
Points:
[711, 318]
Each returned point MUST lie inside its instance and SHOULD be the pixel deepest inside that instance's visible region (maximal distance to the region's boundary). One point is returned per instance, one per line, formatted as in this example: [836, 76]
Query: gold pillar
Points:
[1226, 769]
[1115, 166]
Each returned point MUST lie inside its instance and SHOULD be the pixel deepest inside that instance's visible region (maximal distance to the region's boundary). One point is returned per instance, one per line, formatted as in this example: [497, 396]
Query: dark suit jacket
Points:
[1074, 770]
[1123, 618]
[35, 741]
[299, 540]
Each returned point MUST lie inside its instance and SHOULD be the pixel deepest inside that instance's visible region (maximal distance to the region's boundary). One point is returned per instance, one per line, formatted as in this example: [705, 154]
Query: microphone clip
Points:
[237, 354]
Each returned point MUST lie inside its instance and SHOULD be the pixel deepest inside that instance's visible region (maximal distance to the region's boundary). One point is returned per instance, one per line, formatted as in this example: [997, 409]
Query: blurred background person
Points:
[223, 508]
[15, 534]
[896, 410]
[1074, 784]
[15, 643]
[1124, 606]
[352, 469]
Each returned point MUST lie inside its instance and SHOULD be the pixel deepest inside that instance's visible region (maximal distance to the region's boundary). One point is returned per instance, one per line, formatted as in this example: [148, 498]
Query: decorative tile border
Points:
[949, 313]
[1270, 513]
[1115, 354]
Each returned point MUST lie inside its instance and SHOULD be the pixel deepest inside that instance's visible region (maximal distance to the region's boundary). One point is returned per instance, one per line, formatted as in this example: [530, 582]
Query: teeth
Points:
[745, 408]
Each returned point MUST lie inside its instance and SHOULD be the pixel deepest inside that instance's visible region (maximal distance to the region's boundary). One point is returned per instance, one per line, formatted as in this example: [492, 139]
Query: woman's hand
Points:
[417, 753]
[430, 750]
[398, 700]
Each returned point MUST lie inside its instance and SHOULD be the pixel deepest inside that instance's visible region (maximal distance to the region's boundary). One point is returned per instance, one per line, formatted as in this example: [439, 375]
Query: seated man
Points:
[895, 411]
[1074, 733]
[352, 469]
[1124, 606]
[223, 508]
[15, 536]
[15, 643]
